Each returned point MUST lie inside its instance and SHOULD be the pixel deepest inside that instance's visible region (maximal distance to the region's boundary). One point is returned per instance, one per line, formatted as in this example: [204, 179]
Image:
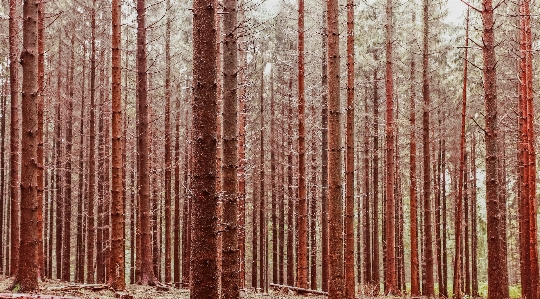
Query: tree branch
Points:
[469, 5]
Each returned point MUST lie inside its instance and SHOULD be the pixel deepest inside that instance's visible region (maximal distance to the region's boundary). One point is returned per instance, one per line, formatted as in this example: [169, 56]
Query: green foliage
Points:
[16, 288]
[515, 290]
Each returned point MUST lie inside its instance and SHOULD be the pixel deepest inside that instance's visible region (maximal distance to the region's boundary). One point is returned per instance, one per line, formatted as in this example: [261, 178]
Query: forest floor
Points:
[51, 288]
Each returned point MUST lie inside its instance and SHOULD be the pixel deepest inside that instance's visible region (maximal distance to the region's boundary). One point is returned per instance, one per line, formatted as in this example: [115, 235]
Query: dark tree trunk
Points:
[230, 284]
[290, 194]
[375, 275]
[428, 240]
[204, 271]
[497, 270]
[324, 160]
[14, 137]
[390, 285]
[116, 277]
[336, 281]
[28, 268]
[168, 145]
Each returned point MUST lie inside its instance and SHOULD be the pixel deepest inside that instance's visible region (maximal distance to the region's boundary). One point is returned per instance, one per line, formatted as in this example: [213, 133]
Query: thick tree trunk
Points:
[497, 270]
[350, 281]
[116, 277]
[14, 137]
[230, 283]
[28, 268]
[336, 281]
[390, 285]
[204, 271]
[428, 240]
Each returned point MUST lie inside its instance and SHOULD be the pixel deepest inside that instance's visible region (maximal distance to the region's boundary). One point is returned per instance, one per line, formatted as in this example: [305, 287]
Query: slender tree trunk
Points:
[324, 159]
[100, 240]
[273, 178]
[186, 226]
[415, 265]
[143, 143]
[205, 199]
[230, 283]
[301, 253]
[459, 203]
[367, 254]
[474, 216]
[313, 206]
[14, 137]
[2, 181]
[390, 254]
[290, 194]
[79, 267]
[177, 220]
[444, 290]
[497, 271]
[66, 238]
[41, 87]
[350, 281]
[375, 270]
[58, 176]
[28, 267]
[466, 257]
[262, 197]
[241, 191]
[428, 240]
[168, 144]
[336, 281]
[91, 159]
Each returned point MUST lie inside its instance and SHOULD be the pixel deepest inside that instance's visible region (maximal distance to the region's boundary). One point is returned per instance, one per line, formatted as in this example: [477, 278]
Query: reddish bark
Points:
[204, 271]
[273, 179]
[14, 137]
[390, 283]
[2, 179]
[66, 238]
[290, 194]
[324, 160]
[301, 253]
[241, 192]
[459, 204]
[91, 155]
[497, 271]
[230, 282]
[350, 282]
[444, 289]
[116, 277]
[58, 179]
[336, 282]
[168, 145]
[262, 197]
[375, 270]
[366, 222]
[177, 220]
[186, 218]
[474, 251]
[41, 84]
[143, 144]
[313, 207]
[28, 267]
[428, 240]
[415, 265]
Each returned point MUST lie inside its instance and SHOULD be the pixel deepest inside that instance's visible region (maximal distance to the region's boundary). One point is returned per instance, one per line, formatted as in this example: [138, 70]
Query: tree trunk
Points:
[168, 144]
[28, 267]
[290, 193]
[301, 253]
[79, 267]
[230, 283]
[367, 254]
[116, 277]
[14, 137]
[336, 281]
[177, 220]
[313, 206]
[474, 216]
[262, 198]
[66, 238]
[390, 251]
[375, 270]
[205, 199]
[273, 179]
[497, 271]
[186, 225]
[91, 159]
[41, 87]
[2, 180]
[58, 180]
[350, 281]
[459, 203]
[143, 143]
[428, 240]
[324, 158]
[415, 265]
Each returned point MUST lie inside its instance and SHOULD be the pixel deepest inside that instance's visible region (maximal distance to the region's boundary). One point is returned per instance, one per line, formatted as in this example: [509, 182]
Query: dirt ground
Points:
[139, 292]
